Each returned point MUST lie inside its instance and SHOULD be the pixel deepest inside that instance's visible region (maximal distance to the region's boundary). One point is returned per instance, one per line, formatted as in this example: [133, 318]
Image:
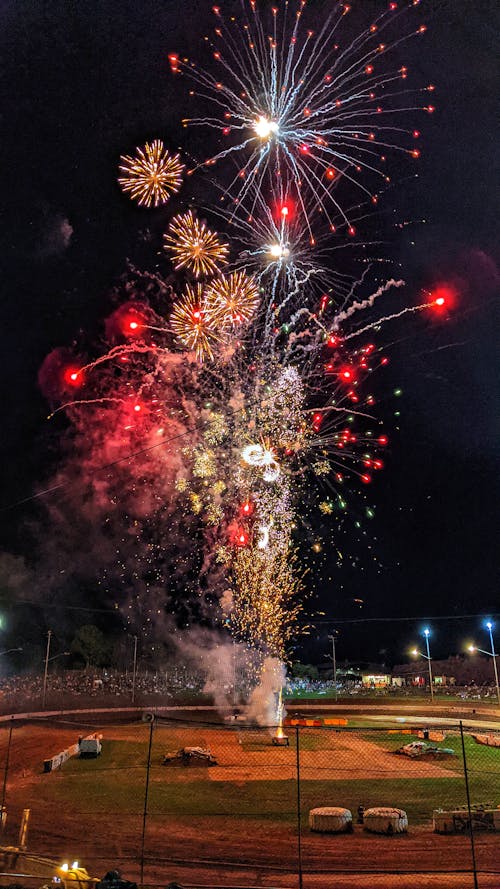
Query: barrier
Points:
[385, 819]
[330, 819]
[488, 740]
[459, 821]
[55, 762]
[318, 721]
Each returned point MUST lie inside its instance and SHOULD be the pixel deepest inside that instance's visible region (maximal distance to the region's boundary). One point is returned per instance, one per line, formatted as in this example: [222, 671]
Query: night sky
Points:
[83, 83]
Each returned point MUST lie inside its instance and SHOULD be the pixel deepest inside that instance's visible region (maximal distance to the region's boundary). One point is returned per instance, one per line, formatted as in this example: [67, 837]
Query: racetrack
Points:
[240, 817]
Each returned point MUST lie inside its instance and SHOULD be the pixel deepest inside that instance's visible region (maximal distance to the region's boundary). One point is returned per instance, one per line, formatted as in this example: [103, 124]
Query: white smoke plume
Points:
[262, 706]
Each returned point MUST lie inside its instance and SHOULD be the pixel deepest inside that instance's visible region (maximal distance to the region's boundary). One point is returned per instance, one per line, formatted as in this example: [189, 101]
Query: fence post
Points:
[471, 829]
[146, 793]
[5, 774]
[299, 829]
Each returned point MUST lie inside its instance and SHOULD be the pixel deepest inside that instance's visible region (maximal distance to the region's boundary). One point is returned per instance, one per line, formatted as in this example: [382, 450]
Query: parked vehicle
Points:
[421, 749]
[190, 756]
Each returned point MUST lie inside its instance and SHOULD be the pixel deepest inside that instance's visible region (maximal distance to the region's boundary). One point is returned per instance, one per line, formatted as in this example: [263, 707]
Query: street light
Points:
[489, 626]
[492, 654]
[428, 658]
[9, 650]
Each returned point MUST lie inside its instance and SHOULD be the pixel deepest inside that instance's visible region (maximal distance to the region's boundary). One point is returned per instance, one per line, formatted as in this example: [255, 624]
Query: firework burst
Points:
[193, 323]
[234, 298]
[304, 106]
[194, 246]
[152, 175]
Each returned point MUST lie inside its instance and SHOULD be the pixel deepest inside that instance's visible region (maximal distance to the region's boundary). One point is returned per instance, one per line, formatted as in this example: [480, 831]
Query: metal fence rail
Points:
[243, 818]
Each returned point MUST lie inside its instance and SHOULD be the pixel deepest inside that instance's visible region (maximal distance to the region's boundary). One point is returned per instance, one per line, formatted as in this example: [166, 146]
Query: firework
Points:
[194, 246]
[278, 396]
[266, 599]
[304, 105]
[152, 175]
[234, 298]
[192, 322]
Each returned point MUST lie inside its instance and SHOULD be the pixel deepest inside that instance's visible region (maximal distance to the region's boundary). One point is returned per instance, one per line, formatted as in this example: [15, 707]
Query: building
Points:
[375, 680]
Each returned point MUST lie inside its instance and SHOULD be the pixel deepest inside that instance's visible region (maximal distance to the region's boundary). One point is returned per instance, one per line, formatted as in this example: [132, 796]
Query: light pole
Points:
[334, 663]
[234, 673]
[47, 652]
[492, 654]
[134, 670]
[428, 658]
[47, 662]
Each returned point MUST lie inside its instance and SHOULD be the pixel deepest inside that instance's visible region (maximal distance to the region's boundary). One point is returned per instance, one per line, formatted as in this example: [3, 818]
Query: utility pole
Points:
[47, 653]
[334, 663]
[134, 671]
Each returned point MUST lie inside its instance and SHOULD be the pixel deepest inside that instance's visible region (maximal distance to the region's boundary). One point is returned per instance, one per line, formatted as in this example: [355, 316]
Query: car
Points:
[420, 748]
[190, 756]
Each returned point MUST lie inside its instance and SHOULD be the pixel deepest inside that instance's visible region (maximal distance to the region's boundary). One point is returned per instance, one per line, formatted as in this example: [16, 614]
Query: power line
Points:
[365, 620]
[68, 485]
[327, 622]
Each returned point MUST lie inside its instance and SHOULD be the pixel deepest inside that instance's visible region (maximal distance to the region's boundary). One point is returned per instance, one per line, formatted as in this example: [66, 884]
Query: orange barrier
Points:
[316, 722]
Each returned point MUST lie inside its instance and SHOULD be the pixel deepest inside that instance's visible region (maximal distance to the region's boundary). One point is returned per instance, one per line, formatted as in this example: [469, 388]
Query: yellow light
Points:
[265, 127]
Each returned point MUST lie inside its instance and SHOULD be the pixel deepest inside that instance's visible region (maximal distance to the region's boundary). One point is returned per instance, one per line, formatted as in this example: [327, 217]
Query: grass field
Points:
[116, 782]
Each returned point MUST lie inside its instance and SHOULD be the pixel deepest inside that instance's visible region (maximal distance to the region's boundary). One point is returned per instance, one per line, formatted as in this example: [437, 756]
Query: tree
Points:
[91, 645]
[304, 671]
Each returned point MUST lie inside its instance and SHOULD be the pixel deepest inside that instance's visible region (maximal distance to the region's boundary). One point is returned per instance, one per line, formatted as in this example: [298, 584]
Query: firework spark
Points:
[194, 246]
[152, 175]
[266, 599]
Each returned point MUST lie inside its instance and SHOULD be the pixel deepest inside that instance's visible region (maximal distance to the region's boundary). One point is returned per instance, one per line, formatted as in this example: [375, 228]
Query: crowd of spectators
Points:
[301, 685]
[177, 684]
[22, 690]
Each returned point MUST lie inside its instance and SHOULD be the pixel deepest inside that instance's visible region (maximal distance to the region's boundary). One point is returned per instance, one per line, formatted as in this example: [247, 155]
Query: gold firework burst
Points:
[193, 245]
[152, 175]
[191, 322]
[234, 298]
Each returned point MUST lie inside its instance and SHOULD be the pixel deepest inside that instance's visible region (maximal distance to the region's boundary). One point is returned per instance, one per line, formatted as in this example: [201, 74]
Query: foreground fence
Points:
[243, 817]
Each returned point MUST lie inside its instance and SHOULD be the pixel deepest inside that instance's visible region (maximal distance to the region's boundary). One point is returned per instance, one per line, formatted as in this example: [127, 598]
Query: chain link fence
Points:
[229, 805]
